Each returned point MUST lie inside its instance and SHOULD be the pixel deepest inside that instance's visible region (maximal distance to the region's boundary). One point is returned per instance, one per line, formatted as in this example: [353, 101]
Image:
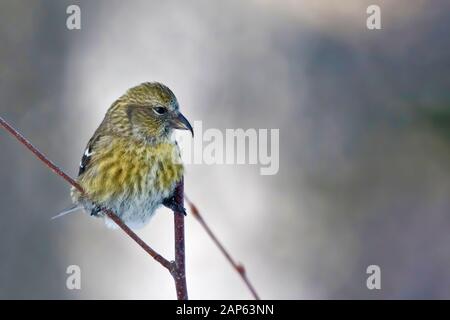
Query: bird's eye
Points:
[159, 110]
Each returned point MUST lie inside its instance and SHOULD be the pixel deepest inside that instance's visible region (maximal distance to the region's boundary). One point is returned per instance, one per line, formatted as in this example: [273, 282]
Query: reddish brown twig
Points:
[240, 269]
[179, 272]
[176, 268]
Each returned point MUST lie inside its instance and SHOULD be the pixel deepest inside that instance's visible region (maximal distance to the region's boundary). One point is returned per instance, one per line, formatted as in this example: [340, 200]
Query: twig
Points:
[176, 268]
[240, 269]
[180, 267]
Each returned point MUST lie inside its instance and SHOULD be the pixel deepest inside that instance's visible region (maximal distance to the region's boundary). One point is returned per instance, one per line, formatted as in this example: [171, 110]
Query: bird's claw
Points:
[172, 204]
[95, 210]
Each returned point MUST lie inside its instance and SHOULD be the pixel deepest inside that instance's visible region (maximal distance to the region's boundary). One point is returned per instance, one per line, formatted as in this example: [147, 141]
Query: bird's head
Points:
[148, 111]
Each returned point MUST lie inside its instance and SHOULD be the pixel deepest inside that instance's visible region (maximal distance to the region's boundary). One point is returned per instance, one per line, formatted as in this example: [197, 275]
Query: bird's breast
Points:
[133, 172]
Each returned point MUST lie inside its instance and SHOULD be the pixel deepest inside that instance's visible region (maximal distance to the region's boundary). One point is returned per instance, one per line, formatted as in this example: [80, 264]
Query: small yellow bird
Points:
[131, 164]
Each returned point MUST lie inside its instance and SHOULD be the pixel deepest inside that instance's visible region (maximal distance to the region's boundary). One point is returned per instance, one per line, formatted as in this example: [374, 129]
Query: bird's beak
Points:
[180, 122]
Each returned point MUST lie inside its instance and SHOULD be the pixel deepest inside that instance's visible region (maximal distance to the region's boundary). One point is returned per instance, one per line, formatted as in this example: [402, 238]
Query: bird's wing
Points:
[85, 159]
[88, 152]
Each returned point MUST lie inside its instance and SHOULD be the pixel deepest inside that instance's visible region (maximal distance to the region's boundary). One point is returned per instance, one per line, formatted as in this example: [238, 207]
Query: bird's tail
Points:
[68, 210]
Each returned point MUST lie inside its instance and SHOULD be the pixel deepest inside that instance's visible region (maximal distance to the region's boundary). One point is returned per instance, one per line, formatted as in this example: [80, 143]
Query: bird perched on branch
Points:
[131, 164]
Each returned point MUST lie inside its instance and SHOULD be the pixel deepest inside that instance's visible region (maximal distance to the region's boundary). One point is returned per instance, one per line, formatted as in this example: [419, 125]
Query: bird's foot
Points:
[172, 204]
[95, 211]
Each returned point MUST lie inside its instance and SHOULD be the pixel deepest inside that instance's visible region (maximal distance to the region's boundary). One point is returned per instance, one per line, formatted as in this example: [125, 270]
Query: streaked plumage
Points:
[131, 164]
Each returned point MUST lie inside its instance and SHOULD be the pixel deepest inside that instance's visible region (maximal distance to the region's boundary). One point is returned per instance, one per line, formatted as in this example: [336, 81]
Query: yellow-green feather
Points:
[125, 168]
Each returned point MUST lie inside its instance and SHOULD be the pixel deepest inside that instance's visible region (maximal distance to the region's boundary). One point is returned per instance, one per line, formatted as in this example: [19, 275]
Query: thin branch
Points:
[176, 268]
[180, 270]
[240, 269]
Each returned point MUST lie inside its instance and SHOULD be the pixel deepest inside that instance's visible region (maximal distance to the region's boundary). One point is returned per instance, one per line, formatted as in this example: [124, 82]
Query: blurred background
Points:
[364, 123]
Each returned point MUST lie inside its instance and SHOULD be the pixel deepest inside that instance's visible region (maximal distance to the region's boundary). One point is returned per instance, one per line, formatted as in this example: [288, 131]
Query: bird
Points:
[132, 165]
